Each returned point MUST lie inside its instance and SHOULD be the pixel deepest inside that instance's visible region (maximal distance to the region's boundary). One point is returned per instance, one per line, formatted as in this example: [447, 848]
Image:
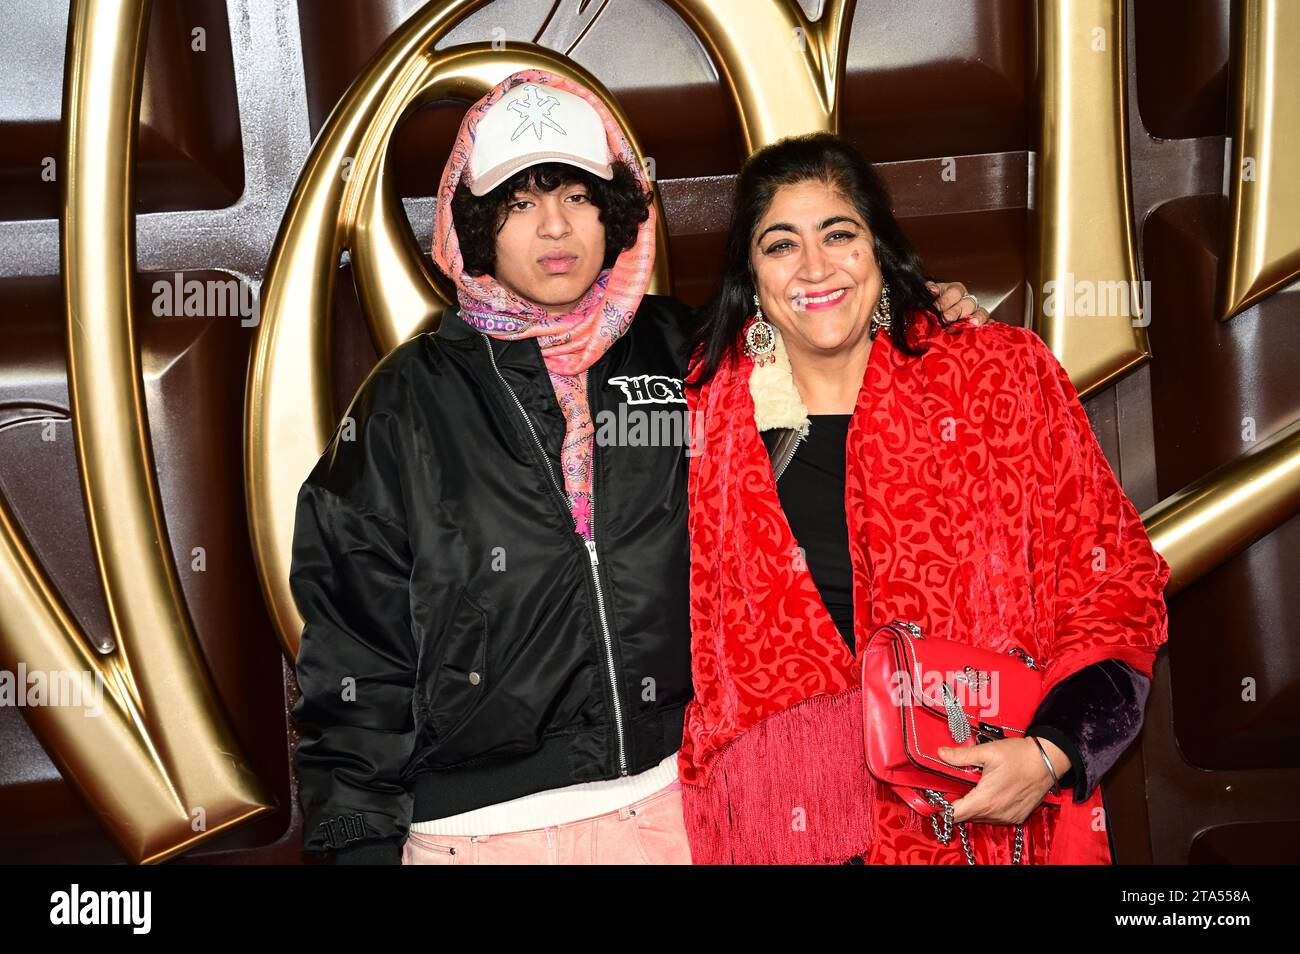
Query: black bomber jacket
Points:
[463, 645]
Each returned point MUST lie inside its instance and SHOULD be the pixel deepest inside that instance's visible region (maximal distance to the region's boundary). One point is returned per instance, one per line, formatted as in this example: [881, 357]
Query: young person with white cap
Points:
[493, 569]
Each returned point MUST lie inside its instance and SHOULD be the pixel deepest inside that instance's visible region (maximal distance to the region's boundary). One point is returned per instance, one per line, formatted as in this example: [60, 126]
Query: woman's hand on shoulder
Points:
[955, 303]
[1012, 782]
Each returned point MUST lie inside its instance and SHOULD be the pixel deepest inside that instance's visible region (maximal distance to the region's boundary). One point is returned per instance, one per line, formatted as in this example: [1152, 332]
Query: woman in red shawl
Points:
[939, 473]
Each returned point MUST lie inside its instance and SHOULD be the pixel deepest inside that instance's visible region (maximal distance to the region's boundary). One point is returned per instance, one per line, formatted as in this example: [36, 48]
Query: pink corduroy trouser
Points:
[647, 832]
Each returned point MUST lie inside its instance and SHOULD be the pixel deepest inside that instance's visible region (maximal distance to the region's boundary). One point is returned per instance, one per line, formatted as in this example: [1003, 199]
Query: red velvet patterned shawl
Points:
[979, 505]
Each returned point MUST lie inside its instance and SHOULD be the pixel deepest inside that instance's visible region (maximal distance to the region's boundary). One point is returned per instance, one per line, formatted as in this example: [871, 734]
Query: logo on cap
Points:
[503, 146]
[535, 108]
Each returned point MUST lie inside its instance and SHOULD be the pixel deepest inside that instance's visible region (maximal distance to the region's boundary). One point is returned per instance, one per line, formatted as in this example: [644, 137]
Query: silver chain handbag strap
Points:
[944, 832]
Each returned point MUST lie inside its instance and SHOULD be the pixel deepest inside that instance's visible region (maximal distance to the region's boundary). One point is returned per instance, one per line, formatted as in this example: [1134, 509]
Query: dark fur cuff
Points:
[1094, 715]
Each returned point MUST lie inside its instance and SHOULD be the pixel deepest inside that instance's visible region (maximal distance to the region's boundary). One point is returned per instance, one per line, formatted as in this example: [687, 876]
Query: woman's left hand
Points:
[954, 302]
[1013, 781]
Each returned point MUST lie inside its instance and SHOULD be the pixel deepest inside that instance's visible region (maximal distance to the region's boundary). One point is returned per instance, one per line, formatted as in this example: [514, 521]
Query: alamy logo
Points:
[650, 389]
[130, 908]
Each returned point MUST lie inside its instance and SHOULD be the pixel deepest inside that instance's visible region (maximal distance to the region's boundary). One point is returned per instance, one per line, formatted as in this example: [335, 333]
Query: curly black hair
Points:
[622, 201]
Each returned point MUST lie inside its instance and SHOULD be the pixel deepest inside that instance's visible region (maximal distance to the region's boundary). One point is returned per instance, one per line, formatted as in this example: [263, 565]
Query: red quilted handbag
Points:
[919, 694]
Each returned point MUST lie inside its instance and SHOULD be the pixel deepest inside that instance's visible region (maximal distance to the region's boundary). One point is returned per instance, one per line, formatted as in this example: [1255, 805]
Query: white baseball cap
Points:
[535, 123]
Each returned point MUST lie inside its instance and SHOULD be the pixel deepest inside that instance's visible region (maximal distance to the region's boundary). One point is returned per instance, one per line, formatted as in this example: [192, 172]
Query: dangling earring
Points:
[881, 316]
[760, 338]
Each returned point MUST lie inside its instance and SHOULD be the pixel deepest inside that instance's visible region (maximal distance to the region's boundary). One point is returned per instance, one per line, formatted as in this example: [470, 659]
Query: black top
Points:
[811, 490]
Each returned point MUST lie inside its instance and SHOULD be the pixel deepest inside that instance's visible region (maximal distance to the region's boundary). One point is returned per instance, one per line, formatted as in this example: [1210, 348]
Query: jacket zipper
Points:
[592, 556]
[785, 461]
[600, 601]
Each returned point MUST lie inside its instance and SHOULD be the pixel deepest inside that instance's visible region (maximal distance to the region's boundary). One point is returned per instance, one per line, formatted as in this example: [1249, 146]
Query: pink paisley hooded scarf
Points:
[569, 343]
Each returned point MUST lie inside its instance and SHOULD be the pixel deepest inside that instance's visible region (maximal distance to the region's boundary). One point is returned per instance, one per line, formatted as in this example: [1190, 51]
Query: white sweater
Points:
[556, 806]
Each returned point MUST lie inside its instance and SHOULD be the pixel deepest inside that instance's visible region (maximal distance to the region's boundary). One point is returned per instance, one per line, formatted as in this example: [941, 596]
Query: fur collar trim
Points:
[776, 399]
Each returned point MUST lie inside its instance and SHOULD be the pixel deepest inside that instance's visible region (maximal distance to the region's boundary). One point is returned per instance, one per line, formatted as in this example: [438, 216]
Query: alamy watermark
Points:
[975, 690]
[208, 298]
[641, 427]
[1082, 298]
[653, 413]
[29, 688]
